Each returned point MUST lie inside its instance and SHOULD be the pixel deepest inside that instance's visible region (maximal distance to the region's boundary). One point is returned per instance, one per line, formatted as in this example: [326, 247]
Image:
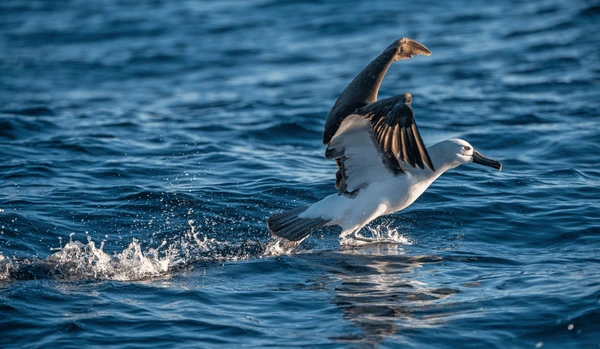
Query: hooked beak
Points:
[478, 158]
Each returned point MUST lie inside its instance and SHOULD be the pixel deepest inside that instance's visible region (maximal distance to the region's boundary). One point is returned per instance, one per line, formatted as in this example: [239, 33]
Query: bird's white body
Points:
[390, 195]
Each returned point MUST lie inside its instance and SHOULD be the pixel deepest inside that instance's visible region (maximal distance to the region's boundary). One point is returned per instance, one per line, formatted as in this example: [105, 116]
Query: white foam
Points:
[380, 234]
[5, 267]
[280, 247]
[78, 260]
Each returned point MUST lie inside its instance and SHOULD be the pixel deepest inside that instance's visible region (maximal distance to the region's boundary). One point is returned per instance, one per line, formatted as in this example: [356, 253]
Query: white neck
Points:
[442, 157]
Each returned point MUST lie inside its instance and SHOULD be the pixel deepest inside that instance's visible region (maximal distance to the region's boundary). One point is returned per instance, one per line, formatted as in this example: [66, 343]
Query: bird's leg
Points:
[356, 236]
[352, 237]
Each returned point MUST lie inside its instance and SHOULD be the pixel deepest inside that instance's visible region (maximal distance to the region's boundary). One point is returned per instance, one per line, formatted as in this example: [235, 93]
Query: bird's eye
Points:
[467, 148]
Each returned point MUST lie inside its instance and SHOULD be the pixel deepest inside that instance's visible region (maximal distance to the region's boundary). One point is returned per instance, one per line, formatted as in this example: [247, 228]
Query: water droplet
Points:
[570, 327]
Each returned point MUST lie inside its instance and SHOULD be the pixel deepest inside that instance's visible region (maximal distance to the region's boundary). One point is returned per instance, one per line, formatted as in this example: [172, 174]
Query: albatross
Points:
[383, 165]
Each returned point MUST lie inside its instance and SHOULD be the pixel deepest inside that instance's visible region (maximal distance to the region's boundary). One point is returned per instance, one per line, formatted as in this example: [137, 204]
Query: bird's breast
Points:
[402, 193]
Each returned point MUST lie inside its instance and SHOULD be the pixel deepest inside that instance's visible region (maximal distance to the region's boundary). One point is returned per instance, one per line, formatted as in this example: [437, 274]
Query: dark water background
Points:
[143, 144]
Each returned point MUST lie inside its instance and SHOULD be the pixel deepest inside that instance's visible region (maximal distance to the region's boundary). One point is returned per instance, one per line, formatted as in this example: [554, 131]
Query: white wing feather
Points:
[362, 161]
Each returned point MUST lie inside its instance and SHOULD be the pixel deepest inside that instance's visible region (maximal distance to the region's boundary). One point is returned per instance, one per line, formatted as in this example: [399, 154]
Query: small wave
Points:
[18, 128]
[31, 111]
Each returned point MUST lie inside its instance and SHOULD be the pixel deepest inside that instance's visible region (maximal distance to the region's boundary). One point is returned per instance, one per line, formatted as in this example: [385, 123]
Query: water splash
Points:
[380, 234]
[281, 246]
[77, 260]
[5, 267]
[86, 261]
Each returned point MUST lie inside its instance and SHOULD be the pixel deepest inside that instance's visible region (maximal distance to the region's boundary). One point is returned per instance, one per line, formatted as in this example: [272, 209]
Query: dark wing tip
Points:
[407, 48]
[407, 98]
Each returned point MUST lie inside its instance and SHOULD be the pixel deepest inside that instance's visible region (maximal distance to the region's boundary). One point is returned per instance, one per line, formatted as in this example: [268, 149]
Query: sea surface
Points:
[144, 143]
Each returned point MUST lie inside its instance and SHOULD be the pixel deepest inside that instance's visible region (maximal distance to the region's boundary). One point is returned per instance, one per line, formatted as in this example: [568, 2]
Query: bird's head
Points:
[461, 152]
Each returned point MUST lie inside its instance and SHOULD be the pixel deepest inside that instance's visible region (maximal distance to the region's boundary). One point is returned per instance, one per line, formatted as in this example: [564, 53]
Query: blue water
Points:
[143, 144]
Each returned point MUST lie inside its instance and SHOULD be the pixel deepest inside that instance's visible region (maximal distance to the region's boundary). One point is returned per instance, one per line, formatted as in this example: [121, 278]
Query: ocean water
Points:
[144, 143]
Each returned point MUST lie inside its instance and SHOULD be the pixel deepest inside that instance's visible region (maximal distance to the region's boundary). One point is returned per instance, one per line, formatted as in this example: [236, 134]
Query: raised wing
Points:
[375, 143]
[364, 88]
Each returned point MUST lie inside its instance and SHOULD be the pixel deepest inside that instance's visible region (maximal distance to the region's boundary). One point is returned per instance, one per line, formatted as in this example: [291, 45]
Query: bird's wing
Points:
[364, 88]
[359, 161]
[375, 143]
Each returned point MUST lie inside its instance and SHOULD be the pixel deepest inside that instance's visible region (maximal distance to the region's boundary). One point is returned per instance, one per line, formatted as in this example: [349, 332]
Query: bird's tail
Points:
[290, 226]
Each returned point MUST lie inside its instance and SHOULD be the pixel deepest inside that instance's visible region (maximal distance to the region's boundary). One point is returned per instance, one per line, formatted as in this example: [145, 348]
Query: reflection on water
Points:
[377, 290]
